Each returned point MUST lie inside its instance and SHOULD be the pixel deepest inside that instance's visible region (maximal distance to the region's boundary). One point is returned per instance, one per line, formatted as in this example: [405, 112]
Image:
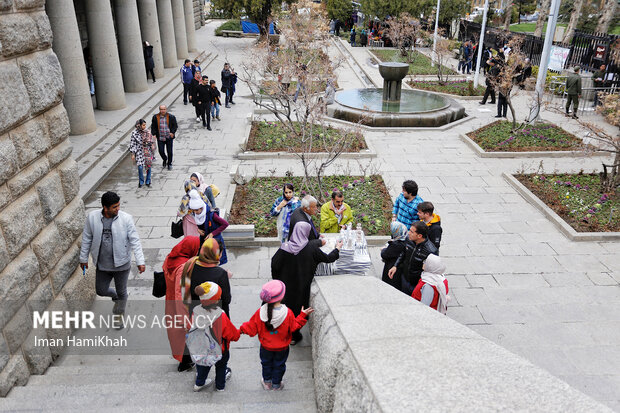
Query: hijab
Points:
[188, 185]
[398, 230]
[433, 274]
[195, 202]
[299, 238]
[184, 250]
[207, 254]
[201, 181]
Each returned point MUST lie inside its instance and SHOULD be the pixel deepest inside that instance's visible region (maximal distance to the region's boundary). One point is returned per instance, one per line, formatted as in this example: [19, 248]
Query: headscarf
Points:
[184, 250]
[433, 274]
[398, 230]
[201, 181]
[299, 238]
[195, 203]
[188, 185]
[207, 255]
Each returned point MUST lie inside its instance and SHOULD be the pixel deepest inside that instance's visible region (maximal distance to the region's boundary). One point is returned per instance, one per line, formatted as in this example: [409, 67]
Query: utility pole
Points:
[544, 60]
[481, 42]
[435, 37]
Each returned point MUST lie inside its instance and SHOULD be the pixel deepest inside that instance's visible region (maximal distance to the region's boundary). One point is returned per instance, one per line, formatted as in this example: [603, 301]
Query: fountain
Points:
[394, 107]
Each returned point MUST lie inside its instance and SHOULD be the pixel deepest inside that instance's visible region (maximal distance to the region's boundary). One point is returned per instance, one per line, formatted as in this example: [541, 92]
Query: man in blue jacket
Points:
[109, 236]
[186, 77]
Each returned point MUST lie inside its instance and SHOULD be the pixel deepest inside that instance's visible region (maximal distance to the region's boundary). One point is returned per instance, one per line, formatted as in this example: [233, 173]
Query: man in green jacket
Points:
[573, 90]
[335, 214]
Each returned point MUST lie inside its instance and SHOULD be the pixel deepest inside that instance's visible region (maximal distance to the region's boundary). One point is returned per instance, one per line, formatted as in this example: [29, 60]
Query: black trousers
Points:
[167, 146]
[185, 92]
[489, 91]
[502, 105]
[198, 110]
[205, 112]
[152, 72]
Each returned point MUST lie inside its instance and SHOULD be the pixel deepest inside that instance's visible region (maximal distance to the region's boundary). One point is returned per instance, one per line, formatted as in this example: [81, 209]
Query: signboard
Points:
[599, 51]
[558, 57]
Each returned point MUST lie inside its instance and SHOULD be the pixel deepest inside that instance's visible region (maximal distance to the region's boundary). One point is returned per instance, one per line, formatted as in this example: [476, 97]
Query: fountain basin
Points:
[393, 70]
[416, 108]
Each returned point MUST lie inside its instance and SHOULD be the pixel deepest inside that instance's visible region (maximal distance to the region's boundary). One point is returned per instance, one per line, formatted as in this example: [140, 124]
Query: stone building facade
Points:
[45, 96]
[41, 214]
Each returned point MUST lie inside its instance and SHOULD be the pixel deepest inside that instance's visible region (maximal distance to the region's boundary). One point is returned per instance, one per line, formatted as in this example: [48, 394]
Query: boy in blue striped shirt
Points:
[406, 205]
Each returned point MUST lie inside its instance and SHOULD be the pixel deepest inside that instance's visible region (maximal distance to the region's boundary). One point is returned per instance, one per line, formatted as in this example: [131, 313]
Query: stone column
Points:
[104, 52]
[166, 29]
[149, 27]
[180, 34]
[68, 48]
[130, 46]
[190, 25]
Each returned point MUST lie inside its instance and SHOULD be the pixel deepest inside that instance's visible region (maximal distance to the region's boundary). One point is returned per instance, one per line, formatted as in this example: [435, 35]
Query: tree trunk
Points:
[508, 15]
[572, 24]
[512, 110]
[609, 8]
[542, 17]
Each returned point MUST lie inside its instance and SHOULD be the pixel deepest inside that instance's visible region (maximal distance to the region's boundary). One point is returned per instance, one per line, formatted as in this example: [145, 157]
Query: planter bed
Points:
[421, 63]
[368, 197]
[451, 87]
[541, 137]
[270, 136]
[574, 202]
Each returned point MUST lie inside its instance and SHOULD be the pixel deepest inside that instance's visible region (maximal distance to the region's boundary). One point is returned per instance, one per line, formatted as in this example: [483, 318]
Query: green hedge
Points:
[229, 25]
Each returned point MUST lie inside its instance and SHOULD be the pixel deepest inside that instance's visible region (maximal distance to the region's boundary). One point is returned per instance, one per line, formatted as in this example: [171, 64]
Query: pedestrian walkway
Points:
[514, 278]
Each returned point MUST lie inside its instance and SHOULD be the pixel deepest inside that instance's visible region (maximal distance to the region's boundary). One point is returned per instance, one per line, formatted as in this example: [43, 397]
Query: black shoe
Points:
[163, 165]
[482, 103]
[185, 103]
[204, 125]
[492, 103]
[153, 80]
[227, 106]
[185, 366]
[498, 116]
[139, 185]
[209, 128]
[148, 185]
[575, 117]
[170, 167]
[232, 102]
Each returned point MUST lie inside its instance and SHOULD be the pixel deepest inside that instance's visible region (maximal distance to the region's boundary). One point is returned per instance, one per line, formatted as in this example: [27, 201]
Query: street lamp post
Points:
[481, 42]
[435, 36]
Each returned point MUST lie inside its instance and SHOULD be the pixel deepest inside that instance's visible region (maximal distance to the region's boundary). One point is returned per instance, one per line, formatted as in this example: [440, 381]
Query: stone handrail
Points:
[376, 350]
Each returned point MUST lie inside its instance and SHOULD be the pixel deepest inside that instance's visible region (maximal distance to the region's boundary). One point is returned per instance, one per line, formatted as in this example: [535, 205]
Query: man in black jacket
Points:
[411, 260]
[203, 99]
[164, 127]
[490, 78]
[309, 207]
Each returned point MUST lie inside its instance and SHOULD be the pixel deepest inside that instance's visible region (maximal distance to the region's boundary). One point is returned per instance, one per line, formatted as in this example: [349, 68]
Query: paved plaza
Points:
[514, 278]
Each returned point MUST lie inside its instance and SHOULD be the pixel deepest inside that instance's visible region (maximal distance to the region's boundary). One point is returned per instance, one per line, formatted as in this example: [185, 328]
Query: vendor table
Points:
[354, 258]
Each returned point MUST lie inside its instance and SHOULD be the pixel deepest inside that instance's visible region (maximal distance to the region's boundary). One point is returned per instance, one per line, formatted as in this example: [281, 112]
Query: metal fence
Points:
[588, 50]
[587, 101]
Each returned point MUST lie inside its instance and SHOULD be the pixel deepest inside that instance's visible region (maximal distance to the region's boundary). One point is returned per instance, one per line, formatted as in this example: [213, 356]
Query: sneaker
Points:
[220, 389]
[170, 167]
[218, 118]
[209, 128]
[207, 382]
[185, 367]
[228, 373]
[227, 106]
[575, 117]
[197, 119]
[266, 384]
[279, 386]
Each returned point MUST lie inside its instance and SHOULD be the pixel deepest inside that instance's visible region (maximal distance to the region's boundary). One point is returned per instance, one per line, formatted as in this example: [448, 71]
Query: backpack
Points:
[201, 340]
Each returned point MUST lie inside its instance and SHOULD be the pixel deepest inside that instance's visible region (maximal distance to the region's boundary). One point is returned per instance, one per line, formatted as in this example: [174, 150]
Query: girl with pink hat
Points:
[274, 323]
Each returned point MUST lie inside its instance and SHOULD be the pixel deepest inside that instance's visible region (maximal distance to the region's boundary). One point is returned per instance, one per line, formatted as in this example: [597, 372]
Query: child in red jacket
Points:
[274, 323]
[208, 339]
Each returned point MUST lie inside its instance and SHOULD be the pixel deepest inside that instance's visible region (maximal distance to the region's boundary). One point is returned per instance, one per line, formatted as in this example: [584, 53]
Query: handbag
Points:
[176, 229]
[159, 284]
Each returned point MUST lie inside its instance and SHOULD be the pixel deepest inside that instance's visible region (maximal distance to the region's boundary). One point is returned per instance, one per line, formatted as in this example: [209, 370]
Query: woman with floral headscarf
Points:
[392, 251]
[142, 148]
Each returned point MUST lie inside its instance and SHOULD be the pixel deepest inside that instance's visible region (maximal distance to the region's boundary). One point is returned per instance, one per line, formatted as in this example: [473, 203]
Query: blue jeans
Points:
[141, 175]
[274, 365]
[215, 110]
[220, 372]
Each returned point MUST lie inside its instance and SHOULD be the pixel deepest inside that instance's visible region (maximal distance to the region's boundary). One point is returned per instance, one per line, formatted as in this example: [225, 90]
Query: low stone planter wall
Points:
[562, 225]
[376, 350]
[540, 154]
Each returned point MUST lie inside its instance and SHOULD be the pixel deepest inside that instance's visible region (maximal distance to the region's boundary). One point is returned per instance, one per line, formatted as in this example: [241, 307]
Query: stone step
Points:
[153, 395]
[82, 375]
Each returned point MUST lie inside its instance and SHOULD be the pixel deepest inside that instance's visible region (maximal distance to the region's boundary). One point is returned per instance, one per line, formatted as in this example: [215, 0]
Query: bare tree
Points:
[303, 57]
[404, 31]
[574, 19]
[607, 15]
[507, 15]
[542, 17]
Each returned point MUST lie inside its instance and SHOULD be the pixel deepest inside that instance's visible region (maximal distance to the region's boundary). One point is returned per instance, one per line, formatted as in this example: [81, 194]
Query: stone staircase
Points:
[152, 383]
